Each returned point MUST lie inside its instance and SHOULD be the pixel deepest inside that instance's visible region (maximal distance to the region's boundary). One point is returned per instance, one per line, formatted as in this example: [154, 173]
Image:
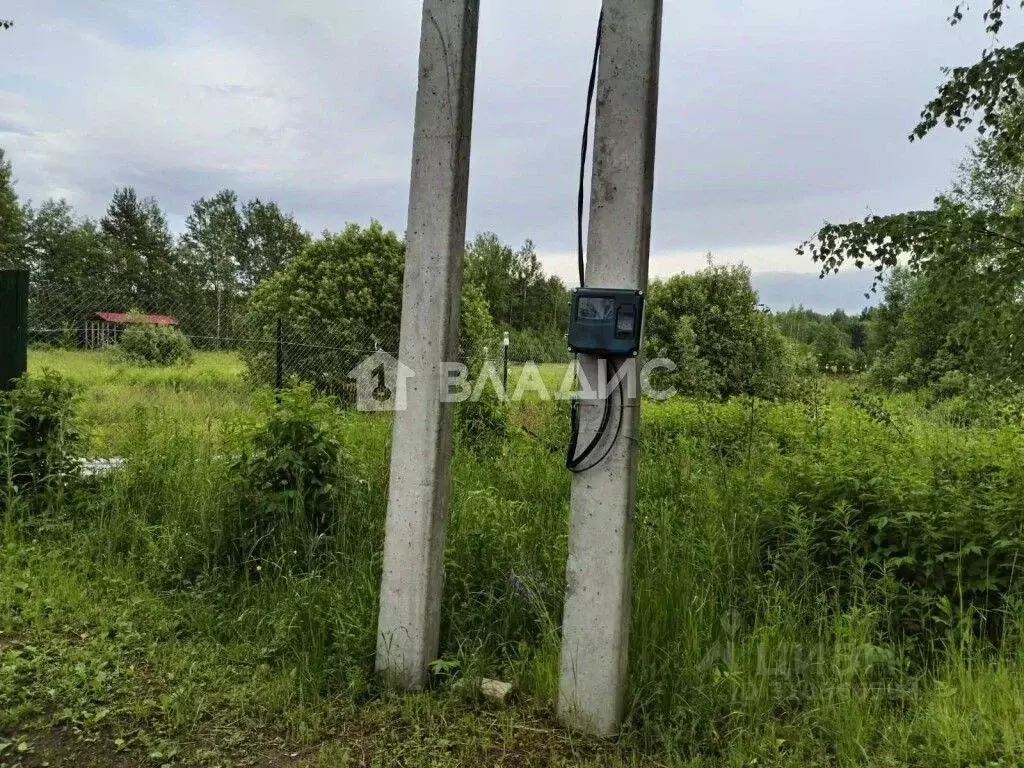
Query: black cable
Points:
[618, 429]
[583, 151]
[573, 461]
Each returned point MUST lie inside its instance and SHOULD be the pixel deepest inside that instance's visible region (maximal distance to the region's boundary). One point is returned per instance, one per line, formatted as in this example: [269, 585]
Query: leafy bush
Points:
[476, 328]
[710, 325]
[337, 298]
[482, 422]
[155, 344]
[930, 530]
[38, 435]
[287, 479]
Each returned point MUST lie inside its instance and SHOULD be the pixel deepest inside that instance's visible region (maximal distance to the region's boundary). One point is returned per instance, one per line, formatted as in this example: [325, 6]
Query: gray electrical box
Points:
[606, 321]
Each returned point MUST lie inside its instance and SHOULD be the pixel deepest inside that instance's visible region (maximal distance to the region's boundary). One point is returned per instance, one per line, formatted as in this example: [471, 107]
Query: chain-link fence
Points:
[273, 346]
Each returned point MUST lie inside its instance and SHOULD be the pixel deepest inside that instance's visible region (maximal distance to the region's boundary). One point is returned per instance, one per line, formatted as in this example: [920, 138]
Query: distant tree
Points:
[520, 295]
[212, 246]
[270, 239]
[12, 218]
[836, 339]
[833, 349]
[143, 267]
[711, 326]
[70, 269]
[338, 297]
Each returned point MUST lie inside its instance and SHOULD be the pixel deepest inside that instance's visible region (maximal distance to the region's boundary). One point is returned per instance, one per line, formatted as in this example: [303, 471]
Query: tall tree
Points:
[12, 218]
[518, 292]
[212, 243]
[69, 261]
[270, 239]
[143, 265]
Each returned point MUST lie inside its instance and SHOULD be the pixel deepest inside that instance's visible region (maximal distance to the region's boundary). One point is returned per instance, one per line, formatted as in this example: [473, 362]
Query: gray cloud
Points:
[773, 117]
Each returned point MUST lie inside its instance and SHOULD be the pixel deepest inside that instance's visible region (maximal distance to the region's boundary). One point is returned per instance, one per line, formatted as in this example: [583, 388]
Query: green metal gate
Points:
[13, 325]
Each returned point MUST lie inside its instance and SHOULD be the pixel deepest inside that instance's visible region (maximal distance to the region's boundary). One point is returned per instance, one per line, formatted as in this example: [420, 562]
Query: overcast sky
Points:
[774, 116]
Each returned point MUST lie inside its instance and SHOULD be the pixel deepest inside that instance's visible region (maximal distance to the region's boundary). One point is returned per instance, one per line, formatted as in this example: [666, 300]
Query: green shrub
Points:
[155, 344]
[476, 328]
[723, 344]
[538, 347]
[38, 435]
[287, 479]
[482, 422]
[930, 529]
[338, 298]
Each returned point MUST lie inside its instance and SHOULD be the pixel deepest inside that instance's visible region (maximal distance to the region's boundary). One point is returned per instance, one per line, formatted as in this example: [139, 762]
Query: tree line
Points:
[129, 259]
[237, 269]
[208, 275]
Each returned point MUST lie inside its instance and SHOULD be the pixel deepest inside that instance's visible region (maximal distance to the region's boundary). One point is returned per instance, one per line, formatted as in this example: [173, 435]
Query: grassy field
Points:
[117, 397]
[825, 582]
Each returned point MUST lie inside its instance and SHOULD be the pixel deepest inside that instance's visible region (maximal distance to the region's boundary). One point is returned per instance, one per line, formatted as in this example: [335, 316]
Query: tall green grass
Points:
[813, 583]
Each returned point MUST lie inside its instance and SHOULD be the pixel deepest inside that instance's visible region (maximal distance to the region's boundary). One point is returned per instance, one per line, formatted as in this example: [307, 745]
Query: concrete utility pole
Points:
[595, 625]
[410, 597]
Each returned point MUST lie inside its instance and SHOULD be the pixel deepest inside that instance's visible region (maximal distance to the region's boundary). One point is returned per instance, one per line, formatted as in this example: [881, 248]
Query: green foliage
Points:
[287, 476]
[476, 328]
[938, 538]
[38, 436]
[710, 325]
[65, 254]
[213, 239]
[482, 423]
[963, 311]
[955, 304]
[335, 298]
[539, 347]
[142, 342]
[12, 224]
[339, 300]
[839, 341]
[520, 296]
[834, 350]
[270, 240]
[988, 89]
[142, 269]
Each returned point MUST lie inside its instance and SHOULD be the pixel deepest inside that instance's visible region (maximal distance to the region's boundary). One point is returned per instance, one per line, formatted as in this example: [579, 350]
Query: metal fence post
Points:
[504, 355]
[13, 325]
[279, 357]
